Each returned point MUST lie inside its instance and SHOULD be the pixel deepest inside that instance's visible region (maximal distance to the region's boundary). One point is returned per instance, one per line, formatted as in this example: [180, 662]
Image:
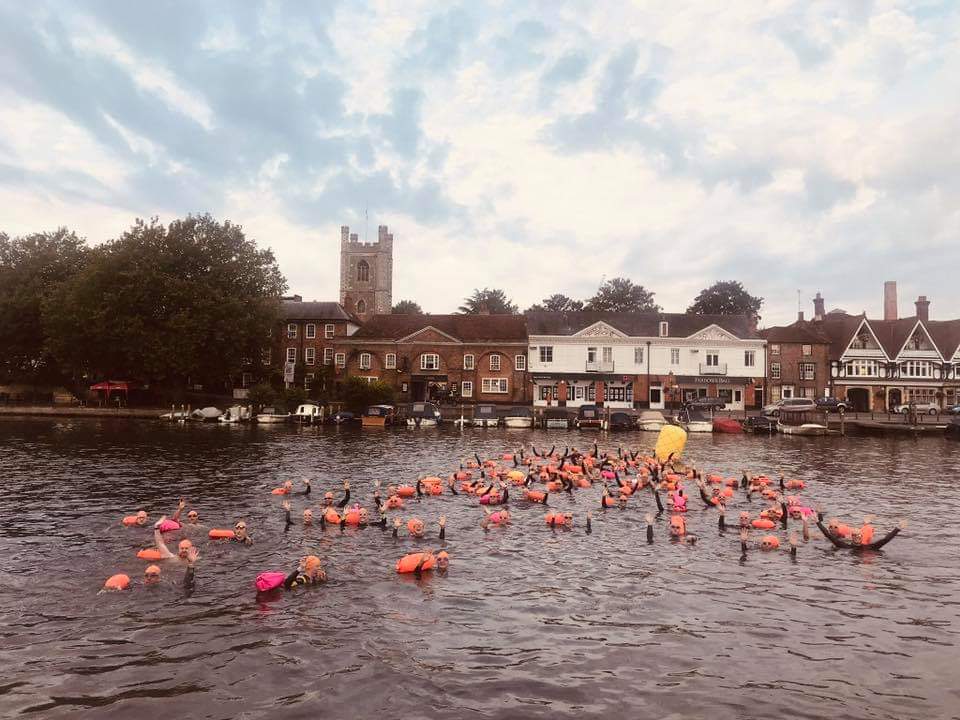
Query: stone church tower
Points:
[366, 273]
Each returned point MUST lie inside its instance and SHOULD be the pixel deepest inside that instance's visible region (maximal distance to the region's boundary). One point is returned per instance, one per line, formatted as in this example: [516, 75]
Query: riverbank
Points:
[77, 411]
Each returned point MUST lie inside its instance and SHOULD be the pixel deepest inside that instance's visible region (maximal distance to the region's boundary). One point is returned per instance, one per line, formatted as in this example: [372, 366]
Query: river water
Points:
[528, 622]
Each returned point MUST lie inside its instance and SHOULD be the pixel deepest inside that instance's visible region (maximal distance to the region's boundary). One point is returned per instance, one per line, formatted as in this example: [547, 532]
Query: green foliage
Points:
[621, 295]
[726, 298]
[557, 303]
[164, 304]
[262, 394]
[357, 394]
[407, 307]
[488, 302]
[32, 268]
[291, 397]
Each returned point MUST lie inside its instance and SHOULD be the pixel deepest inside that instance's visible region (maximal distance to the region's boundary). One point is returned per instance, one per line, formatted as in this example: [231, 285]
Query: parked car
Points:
[791, 404]
[953, 410]
[830, 404]
[921, 408]
[705, 403]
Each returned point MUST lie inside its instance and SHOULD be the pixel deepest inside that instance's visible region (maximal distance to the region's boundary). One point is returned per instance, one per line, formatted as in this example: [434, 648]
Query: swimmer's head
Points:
[415, 526]
[504, 516]
[833, 526]
[183, 548]
[744, 519]
[311, 565]
[288, 485]
[443, 560]
[769, 542]
[328, 498]
[308, 516]
[568, 518]
[240, 529]
[856, 536]
[151, 574]
[142, 517]
[363, 515]
[193, 516]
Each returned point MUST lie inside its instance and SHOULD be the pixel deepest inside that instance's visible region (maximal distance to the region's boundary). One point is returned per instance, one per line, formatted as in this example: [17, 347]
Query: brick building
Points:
[303, 340]
[474, 358]
[798, 358]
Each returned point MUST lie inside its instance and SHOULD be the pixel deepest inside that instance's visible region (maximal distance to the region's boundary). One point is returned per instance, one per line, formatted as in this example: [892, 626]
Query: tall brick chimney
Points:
[819, 307]
[923, 308]
[890, 300]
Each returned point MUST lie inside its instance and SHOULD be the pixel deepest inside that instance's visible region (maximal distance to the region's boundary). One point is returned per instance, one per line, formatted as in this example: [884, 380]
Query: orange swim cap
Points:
[312, 563]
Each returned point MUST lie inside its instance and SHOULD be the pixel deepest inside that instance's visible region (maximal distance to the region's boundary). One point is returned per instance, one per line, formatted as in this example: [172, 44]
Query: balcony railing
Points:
[719, 369]
[605, 366]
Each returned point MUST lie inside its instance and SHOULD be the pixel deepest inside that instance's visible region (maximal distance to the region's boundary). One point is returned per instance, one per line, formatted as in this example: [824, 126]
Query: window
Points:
[291, 330]
[546, 353]
[775, 349]
[674, 356]
[806, 350]
[548, 392]
[361, 307]
[786, 392]
[579, 392]
[340, 360]
[308, 380]
[266, 356]
[495, 386]
[775, 393]
[520, 362]
[311, 331]
[615, 393]
[390, 361]
[749, 358]
[246, 379]
[291, 355]
[862, 368]
[808, 371]
[469, 362]
[638, 356]
[774, 371]
[591, 354]
[364, 361]
[328, 356]
[429, 361]
[363, 271]
[608, 354]
[808, 392]
[713, 359]
[466, 389]
[495, 362]
[328, 330]
[664, 329]
[591, 392]
[916, 369]
[310, 356]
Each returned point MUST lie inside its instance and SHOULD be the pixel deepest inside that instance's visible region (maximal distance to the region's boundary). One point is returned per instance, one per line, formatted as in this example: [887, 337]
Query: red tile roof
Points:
[466, 328]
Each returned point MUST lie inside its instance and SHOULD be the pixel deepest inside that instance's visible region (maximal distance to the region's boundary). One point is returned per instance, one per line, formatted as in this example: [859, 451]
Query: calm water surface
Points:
[528, 623]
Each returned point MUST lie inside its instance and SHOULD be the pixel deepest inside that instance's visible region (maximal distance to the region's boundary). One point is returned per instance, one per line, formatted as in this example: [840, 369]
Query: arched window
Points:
[361, 307]
[363, 271]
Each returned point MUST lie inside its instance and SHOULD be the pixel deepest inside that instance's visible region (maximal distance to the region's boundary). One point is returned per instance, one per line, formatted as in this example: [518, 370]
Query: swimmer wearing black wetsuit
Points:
[856, 547]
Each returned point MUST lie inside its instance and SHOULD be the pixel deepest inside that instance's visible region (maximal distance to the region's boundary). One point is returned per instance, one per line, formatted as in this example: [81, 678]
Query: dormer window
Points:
[664, 328]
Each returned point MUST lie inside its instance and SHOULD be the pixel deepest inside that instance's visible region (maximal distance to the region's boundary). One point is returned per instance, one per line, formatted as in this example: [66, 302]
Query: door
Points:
[656, 398]
[859, 399]
[894, 398]
[418, 391]
[737, 403]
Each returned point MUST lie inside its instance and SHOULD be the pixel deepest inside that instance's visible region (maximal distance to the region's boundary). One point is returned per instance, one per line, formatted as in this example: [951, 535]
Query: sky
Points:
[538, 147]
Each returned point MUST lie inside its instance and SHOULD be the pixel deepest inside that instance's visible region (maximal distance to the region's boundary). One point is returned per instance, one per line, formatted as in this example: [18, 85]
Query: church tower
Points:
[366, 273]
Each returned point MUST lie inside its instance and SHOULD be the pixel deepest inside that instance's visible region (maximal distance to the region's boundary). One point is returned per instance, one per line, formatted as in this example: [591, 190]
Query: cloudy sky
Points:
[534, 146]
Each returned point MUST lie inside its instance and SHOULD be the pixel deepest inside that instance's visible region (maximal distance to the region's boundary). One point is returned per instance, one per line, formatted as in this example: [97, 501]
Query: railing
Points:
[719, 369]
[599, 366]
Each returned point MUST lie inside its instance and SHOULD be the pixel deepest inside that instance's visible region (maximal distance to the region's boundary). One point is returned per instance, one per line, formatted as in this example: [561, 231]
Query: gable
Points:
[713, 332]
[919, 340]
[600, 329]
[863, 338]
[429, 335]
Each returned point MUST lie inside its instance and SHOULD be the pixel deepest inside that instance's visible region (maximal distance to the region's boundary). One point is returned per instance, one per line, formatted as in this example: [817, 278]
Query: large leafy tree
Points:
[557, 303]
[193, 300]
[621, 295]
[407, 307]
[726, 298]
[31, 268]
[487, 301]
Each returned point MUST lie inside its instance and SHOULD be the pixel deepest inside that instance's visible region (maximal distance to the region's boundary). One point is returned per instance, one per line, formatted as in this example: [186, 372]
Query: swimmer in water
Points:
[856, 542]
[240, 533]
[309, 572]
[307, 516]
[183, 548]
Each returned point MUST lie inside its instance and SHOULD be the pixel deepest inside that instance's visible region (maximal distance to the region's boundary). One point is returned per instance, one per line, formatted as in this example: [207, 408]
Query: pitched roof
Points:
[802, 331]
[892, 334]
[466, 328]
[679, 325]
[840, 327]
[946, 336]
[297, 310]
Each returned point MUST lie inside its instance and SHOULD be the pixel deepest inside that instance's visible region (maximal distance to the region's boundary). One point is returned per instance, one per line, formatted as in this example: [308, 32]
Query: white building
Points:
[627, 360]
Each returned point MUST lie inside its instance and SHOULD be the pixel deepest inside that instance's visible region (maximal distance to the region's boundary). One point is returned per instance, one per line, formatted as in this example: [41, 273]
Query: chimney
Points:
[799, 315]
[818, 307]
[890, 300]
[923, 308]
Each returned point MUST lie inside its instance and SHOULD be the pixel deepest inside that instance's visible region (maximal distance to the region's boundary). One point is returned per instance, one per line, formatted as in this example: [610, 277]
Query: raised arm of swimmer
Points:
[346, 494]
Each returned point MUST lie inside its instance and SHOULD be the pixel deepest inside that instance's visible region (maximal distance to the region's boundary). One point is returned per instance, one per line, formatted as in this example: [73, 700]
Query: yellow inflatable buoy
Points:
[672, 440]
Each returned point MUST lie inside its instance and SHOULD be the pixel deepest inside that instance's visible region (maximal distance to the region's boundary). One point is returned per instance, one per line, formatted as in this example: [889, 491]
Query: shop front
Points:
[735, 392]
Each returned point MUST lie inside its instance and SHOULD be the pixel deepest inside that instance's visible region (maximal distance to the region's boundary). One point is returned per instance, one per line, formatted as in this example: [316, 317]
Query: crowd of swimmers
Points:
[525, 480]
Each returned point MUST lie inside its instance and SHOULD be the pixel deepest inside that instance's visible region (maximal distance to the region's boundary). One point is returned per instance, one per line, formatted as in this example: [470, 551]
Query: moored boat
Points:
[621, 421]
[556, 419]
[518, 417]
[423, 414]
[651, 420]
[695, 422]
[727, 425]
[589, 417]
[235, 414]
[270, 416]
[308, 413]
[485, 416]
[795, 422]
[378, 416]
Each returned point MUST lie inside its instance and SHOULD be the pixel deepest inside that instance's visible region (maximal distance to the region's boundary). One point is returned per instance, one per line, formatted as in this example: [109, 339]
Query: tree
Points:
[557, 303]
[726, 298]
[194, 300]
[621, 295]
[488, 302]
[357, 394]
[407, 307]
[31, 268]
